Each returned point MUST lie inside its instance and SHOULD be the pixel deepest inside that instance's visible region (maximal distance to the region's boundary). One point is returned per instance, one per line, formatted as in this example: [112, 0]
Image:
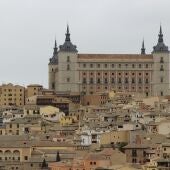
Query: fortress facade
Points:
[146, 74]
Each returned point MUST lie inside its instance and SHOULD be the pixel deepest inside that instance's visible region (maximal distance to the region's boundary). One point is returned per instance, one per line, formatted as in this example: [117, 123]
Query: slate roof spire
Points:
[68, 46]
[67, 34]
[54, 58]
[55, 48]
[160, 47]
[143, 48]
[160, 39]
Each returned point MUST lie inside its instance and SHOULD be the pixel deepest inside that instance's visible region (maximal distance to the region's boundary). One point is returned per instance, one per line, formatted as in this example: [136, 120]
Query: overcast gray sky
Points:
[28, 29]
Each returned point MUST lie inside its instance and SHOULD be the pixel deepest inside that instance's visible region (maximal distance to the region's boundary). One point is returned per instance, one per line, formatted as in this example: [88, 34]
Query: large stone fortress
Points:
[146, 74]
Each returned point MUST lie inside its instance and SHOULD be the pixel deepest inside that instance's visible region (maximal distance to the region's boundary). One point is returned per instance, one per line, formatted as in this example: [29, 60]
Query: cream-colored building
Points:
[33, 89]
[12, 95]
[114, 137]
[146, 74]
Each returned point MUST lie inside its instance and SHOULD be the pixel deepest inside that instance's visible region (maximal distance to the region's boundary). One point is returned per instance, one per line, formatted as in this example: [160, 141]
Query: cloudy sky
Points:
[28, 29]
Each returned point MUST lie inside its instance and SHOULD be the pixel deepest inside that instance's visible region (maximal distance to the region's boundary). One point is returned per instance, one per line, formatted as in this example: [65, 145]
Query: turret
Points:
[52, 68]
[161, 67]
[143, 48]
[68, 76]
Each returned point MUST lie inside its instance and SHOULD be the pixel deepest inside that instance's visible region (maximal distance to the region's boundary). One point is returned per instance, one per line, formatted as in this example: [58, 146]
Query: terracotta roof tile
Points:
[115, 57]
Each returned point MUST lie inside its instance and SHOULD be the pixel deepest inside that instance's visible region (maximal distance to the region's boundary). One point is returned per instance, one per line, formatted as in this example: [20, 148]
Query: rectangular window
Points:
[98, 81]
[134, 153]
[126, 80]
[68, 67]
[146, 81]
[68, 58]
[105, 81]
[91, 65]
[119, 80]
[133, 80]
[68, 79]
[91, 80]
[161, 69]
[161, 60]
[25, 157]
[84, 80]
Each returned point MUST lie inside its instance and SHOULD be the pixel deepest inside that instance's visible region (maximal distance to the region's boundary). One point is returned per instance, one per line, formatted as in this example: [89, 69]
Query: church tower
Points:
[52, 68]
[68, 75]
[161, 67]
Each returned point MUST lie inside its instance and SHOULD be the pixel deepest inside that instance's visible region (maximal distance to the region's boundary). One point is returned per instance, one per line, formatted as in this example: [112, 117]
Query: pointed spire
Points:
[55, 48]
[67, 34]
[68, 46]
[160, 47]
[143, 48]
[160, 35]
[55, 45]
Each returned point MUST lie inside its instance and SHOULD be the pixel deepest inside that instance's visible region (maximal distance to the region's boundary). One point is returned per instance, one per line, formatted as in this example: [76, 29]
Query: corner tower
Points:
[68, 76]
[52, 69]
[161, 67]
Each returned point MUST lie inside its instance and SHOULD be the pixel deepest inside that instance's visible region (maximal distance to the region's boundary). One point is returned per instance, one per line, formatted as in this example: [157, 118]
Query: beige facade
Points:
[12, 95]
[33, 89]
[146, 74]
[114, 137]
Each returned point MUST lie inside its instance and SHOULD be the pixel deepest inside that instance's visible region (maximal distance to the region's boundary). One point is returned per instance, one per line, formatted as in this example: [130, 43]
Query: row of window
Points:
[120, 87]
[106, 73]
[92, 65]
[10, 90]
[12, 104]
[11, 99]
[12, 94]
[113, 80]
